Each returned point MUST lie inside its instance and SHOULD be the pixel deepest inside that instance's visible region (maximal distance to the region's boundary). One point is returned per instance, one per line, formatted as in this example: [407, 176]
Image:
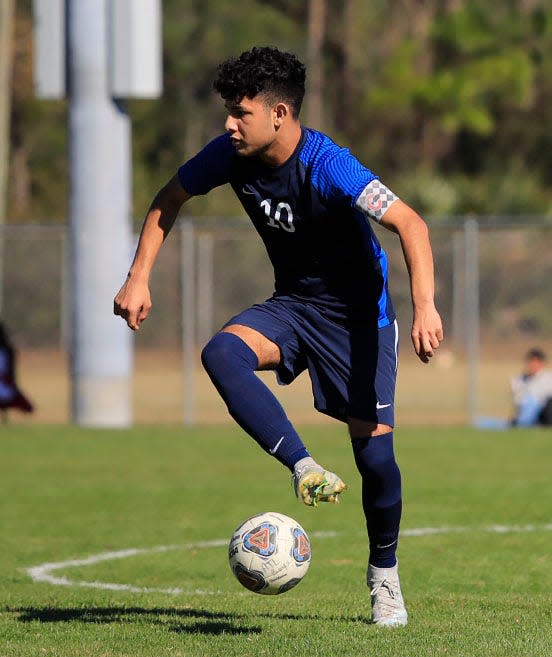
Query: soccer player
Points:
[311, 202]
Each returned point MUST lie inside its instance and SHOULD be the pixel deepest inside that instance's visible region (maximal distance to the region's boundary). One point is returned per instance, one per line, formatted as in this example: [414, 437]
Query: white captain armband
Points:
[375, 199]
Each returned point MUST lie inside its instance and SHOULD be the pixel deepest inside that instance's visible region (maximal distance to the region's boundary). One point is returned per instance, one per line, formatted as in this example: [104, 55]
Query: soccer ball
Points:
[269, 553]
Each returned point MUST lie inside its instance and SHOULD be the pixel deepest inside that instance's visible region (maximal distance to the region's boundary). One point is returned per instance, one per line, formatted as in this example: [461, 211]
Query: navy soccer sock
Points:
[381, 496]
[231, 365]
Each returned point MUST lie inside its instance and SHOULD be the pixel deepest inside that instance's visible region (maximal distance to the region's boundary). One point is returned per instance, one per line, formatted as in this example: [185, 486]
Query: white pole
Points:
[188, 320]
[100, 233]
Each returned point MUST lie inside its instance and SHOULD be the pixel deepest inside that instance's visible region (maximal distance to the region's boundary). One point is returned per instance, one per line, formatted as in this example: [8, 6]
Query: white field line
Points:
[44, 572]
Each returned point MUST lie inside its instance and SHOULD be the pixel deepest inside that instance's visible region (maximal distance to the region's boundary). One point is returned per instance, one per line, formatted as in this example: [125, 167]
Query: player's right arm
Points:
[208, 169]
[133, 301]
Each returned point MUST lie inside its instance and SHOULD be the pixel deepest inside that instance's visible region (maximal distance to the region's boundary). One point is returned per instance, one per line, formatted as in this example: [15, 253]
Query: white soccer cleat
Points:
[388, 608]
[313, 484]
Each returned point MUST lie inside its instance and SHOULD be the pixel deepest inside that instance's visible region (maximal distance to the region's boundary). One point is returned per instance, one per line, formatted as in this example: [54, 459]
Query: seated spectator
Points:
[532, 392]
[10, 395]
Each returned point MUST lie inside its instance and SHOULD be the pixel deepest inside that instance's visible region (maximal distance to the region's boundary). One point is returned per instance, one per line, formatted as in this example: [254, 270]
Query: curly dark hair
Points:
[277, 75]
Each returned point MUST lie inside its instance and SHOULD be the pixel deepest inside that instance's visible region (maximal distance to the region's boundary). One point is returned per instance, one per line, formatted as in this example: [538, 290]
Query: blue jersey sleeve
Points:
[341, 177]
[209, 168]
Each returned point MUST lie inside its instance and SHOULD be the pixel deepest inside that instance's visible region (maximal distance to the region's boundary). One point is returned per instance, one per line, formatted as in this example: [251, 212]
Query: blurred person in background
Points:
[532, 392]
[10, 395]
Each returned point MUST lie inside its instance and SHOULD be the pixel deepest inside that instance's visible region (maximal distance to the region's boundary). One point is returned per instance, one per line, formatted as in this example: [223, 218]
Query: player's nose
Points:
[230, 124]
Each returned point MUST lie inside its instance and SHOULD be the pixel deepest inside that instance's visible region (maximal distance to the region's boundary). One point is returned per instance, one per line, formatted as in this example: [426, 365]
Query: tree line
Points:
[447, 100]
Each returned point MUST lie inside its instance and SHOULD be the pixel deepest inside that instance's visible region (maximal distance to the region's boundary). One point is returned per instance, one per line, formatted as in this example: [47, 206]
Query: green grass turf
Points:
[67, 493]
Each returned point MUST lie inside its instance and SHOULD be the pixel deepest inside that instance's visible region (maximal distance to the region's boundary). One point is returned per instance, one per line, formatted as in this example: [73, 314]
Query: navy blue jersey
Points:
[312, 215]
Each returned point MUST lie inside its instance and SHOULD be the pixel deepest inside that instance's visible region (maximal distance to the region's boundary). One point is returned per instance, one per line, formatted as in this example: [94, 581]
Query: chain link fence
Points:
[493, 289]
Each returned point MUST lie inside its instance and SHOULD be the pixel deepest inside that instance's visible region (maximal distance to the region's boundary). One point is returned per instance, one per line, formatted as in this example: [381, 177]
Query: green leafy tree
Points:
[447, 99]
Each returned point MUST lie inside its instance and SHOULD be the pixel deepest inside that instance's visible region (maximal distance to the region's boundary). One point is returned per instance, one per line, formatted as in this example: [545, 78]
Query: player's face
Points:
[533, 365]
[251, 125]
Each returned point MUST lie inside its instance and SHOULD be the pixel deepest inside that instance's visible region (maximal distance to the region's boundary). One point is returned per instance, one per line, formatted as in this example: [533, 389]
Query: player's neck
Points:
[281, 149]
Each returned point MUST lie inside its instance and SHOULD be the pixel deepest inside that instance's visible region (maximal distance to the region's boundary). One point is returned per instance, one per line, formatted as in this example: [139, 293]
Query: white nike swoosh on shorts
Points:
[380, 406]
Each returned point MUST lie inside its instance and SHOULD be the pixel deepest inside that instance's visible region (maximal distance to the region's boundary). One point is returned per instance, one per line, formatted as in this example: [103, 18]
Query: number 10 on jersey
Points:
[283, 215]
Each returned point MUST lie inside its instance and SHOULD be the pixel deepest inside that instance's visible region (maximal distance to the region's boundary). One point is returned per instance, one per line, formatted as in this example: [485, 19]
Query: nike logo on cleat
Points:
[275, 448]
[380, 406]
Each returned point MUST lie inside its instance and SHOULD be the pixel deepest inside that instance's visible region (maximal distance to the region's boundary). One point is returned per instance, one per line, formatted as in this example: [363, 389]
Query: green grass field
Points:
[67, 494]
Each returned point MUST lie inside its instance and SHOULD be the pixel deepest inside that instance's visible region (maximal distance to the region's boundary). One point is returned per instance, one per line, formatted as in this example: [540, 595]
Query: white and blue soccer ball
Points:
[269, 553]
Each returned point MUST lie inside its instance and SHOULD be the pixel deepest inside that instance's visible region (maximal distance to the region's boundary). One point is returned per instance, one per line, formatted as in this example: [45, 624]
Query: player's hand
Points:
[133, 302]
[427, 332]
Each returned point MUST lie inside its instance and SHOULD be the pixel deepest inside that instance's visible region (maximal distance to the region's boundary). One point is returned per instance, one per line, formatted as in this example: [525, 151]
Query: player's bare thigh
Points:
[267, 352]
[362, 428]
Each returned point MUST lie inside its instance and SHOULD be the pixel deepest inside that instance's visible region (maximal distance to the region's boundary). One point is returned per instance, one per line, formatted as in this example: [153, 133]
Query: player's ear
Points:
[281, 111]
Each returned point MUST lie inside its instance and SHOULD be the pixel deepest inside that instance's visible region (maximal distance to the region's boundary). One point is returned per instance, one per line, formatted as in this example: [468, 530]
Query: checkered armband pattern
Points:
[375, 199]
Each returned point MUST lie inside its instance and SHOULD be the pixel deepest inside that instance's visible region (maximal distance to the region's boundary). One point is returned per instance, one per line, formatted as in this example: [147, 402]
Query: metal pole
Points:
[188, 320]
[100, 233]
[471, 238]
[64, 293]
[6, 49]
[205, 287]
[458, 289]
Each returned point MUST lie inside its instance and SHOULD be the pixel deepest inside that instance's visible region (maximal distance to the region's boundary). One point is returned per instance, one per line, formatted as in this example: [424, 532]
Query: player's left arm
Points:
[343, 178]
[427, 328]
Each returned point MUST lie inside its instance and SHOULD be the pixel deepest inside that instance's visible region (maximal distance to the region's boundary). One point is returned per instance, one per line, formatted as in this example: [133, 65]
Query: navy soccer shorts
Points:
[353, 367]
